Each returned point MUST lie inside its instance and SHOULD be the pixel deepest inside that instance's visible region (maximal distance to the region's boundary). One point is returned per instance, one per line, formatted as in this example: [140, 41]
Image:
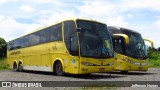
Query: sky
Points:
[19, 17]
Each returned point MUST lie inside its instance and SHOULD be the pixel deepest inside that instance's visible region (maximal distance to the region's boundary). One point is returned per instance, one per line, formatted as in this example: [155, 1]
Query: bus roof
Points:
[119, 29]
[41, 28]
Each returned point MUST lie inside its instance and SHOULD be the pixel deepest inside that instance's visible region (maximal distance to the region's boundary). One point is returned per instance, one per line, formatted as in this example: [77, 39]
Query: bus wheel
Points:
[58, 68]
[14, 67]
[20, 67]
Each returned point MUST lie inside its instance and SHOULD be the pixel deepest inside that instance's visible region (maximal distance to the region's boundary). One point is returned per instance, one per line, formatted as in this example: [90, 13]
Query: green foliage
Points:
[3, 64]
[3, 48]
[153, 54]
[154, 57]
[154, 63]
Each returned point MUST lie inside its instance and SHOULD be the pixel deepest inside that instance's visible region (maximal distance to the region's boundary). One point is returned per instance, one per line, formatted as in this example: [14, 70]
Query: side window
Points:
[19, 43]
[44, 35]
[56, 32]
[69, 31]
[53, 33]
[15, 44]
[26, 41]
[12, 45]
[34, 39]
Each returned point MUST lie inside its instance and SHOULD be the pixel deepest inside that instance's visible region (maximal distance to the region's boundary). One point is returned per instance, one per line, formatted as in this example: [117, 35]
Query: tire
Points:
[58, 68]
[15, 67]
[20, 67]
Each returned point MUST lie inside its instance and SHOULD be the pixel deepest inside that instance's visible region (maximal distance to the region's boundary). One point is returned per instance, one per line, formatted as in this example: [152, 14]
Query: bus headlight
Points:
[135, 63]
[87, 63]
[130, 61]
[143, 64]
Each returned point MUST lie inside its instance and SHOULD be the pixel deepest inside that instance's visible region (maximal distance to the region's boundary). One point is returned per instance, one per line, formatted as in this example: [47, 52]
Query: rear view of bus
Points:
[74, 46]
[131, 52]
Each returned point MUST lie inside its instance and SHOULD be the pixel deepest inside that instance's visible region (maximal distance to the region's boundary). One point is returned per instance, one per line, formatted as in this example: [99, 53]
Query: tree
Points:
[3, 48]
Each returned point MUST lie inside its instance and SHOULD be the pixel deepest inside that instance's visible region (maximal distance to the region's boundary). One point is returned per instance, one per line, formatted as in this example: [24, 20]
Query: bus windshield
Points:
[95, 40]
[136, 45]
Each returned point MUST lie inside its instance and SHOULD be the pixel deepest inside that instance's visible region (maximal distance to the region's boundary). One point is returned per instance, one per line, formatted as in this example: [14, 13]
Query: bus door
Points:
[71, 43]
[119, 46]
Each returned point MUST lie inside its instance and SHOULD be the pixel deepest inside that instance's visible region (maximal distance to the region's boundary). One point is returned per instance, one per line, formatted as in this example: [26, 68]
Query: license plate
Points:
[101, 69]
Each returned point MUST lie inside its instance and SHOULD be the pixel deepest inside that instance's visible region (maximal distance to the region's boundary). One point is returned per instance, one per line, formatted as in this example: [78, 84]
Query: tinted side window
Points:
[16, 44]
[45, 35]
[34, 39]
[56, 32]
[53, 33]
[26, 41]
[69, 30]
[19, 43]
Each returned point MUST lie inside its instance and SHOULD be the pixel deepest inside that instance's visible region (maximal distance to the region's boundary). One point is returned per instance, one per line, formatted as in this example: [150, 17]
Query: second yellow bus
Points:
[130, 49]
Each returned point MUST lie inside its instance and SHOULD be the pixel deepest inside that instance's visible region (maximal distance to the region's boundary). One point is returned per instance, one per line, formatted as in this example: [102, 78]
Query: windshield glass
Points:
[136, 48]
[95, 40]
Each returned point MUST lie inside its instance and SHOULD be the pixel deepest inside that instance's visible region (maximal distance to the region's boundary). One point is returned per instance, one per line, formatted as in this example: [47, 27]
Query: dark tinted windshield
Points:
[136, 47]
[95, 40]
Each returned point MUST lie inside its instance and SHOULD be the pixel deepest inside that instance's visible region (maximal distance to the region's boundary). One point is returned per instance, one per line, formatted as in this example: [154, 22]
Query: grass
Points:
[154, 58]
[3, 64]
[154, 63]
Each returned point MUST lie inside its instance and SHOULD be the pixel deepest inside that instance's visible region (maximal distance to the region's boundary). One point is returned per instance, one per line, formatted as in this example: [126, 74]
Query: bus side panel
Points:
[46, 60]
[26, 58]
[35, 57]
[46, 54]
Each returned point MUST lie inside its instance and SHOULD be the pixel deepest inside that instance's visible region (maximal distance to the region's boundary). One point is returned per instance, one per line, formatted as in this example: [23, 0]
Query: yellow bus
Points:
[75, 46]
[131, 52]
